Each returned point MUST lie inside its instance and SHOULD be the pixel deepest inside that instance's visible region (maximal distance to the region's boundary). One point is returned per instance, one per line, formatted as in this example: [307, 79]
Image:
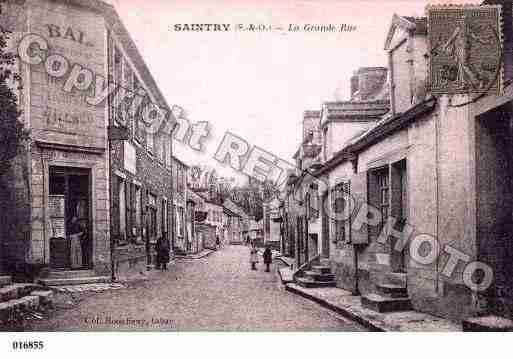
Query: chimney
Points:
[370, 82]
[311, 126]
[354, 83]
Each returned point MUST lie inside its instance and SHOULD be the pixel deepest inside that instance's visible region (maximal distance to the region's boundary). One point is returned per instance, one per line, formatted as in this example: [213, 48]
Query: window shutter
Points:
[359, 194]
[347, 208]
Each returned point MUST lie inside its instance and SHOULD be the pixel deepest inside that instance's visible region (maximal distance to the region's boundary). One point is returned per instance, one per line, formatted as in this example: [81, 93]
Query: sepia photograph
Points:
[287, 166]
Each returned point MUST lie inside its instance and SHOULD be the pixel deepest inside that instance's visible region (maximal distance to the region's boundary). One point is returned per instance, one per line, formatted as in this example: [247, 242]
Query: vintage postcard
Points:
[255, 166]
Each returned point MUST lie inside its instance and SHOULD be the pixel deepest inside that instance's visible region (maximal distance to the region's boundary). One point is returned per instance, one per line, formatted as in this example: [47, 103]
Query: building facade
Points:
[182, 211]
[408, 190]
[77, 174]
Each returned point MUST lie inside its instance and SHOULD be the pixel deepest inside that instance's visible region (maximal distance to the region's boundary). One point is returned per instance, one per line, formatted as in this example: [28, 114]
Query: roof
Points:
[381, 129]
[311, 113]
[234, 207]
[229, 212]
[354, 110]
[413, 25]
[173, 158]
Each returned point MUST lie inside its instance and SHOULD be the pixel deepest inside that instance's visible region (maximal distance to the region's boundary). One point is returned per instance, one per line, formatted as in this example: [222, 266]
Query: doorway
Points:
[399, 201]
[69, 205]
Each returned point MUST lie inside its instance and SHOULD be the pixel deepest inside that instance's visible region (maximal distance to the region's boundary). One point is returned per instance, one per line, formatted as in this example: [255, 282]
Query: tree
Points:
[12, 134]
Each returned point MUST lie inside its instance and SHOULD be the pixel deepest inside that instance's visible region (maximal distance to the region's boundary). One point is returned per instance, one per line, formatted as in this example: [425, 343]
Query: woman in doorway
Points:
[76, 233]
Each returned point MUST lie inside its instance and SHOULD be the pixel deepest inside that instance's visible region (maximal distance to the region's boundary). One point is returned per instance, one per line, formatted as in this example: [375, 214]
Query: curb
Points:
[339, 310]
[283, 281]
[210, 251]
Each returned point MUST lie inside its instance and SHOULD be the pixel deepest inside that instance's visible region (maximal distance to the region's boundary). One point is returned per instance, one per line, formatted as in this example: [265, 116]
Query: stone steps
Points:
[72, 274]
[489, 323]
[16, 298]
[316, 276]
[5, 280]
[17, 290]
[74, 281]
[310, 283]
[383, 304]
[321, 269]
[392, 290]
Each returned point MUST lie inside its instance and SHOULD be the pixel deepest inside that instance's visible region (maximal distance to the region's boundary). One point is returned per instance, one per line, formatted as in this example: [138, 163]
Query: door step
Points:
[316, 276]
[17, 290]
[310, 283]
[74, 281]
[71, 273]
[382, 304]
[396, 278]
[392, 290]
[321, 269]
[5, 280]
[489, 323]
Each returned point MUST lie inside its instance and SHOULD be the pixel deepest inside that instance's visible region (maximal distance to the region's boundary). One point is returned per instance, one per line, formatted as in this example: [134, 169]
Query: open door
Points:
[70, 222]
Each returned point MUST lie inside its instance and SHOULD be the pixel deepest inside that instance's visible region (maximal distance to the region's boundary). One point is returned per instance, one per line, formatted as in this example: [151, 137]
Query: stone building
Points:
[181, 239]
[432, 181]
[195, 215]
[237, 222]
[72, 175]
[272, 225]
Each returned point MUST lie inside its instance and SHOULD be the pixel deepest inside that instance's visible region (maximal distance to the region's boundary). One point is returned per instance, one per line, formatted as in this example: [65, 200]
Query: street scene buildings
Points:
[400, 199]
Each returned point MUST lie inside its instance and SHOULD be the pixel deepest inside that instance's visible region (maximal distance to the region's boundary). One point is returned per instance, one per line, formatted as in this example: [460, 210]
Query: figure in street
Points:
[253, 257]
[162, 253]
[268, 258]
[218, 242]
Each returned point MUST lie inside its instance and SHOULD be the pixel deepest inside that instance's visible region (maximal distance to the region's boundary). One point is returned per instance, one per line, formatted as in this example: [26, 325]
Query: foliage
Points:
[12, 134]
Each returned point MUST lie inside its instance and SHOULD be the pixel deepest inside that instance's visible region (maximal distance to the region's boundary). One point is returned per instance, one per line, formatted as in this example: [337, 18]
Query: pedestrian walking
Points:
[247, 240]
[253, 257]
[218, 242]
[268, 258]
[162, 253]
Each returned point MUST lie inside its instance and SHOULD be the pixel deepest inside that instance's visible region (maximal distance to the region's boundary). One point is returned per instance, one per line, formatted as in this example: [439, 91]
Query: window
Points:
[138, 212]
[140, 130]
[152, 217]
[181, 221]
[314, 201]
[117, 71]
[181, 178]
[338, 204]
[150, 144]
[122, 209]
[168, 151]
[384, 195]
[164, 217]
[130, 210]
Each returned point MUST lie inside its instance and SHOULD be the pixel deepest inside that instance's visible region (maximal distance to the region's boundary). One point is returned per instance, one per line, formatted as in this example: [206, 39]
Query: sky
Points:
[257, 84]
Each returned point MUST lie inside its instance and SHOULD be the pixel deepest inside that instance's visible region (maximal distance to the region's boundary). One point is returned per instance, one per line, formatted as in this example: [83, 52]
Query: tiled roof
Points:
[420, 24]
[357, 110]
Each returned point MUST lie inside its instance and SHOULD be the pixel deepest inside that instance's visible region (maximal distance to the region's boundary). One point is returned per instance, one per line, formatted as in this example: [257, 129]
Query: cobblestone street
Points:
[217, 292]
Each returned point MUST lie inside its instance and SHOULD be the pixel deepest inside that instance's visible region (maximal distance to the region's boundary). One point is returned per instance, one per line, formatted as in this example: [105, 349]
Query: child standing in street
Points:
[268, 258]
[253, 257]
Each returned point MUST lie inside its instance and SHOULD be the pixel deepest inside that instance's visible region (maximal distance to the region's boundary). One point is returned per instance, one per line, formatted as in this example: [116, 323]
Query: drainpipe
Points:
[392, 84]
[111, 242]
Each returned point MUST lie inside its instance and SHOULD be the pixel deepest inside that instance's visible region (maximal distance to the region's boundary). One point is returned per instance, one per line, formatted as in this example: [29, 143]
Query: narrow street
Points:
[218, 292]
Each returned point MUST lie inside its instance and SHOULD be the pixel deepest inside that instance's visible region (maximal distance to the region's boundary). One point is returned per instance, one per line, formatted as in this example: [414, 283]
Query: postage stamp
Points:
[465, 49]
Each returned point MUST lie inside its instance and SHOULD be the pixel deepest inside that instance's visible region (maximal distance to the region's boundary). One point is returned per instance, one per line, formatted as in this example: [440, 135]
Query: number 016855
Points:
[28, 345]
